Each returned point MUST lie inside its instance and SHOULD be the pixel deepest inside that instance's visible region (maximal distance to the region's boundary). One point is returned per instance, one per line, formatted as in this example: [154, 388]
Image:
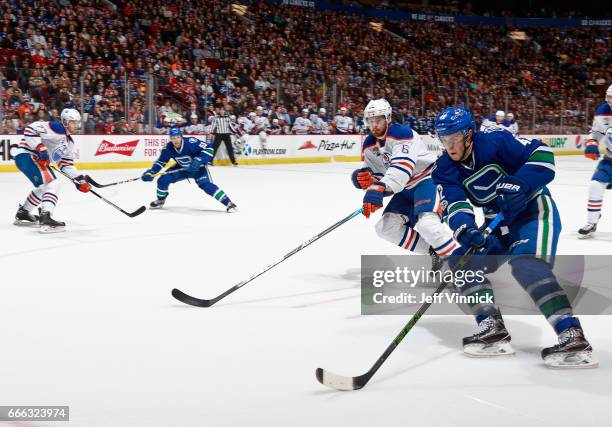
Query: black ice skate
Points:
[231, 208]
[24, 218]
[587, 231]
[49, 225]
[157, 204]
[492, 339]
[573, 351]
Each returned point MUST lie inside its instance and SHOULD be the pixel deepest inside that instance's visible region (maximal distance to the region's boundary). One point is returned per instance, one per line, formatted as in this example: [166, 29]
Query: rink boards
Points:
[139, 151]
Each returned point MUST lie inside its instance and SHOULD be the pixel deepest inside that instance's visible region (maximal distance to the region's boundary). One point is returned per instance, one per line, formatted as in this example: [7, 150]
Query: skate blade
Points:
[19, 223]
[232, 210]
[585, 236]
[155, 208]
[503, 348]
[574, 360]
[45, 229]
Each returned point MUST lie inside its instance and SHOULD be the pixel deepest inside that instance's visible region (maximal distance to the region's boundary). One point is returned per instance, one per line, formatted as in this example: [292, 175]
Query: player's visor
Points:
[452, 139]
[376, 121]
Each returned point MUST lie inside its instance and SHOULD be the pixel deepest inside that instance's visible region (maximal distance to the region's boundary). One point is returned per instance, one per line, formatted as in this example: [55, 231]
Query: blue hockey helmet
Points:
[454, 119]
[453, 125]
[175, 131]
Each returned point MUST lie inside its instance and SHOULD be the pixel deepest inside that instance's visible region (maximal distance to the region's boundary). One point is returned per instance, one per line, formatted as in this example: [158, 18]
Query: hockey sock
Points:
[394, 228]
[536, 277]
[216, 193]
[49, 195]
[436, 233]
[162, 194]
[479, 290]
[596, 194]
[33, 200]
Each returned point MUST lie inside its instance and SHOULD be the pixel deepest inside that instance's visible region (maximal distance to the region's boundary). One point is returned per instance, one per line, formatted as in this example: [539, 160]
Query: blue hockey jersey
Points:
[494, 155]
[190, 149]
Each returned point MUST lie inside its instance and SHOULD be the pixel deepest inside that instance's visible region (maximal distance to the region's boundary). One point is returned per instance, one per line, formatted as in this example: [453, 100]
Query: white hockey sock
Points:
[436, 233]
[34, 199]
[393, 227]
[49, 195]
[596, 193]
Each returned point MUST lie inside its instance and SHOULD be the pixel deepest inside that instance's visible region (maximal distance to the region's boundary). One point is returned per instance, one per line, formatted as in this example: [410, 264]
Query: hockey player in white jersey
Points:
[302, 124]
[43, 144]
[344, 123]
[319, 122]
[261, 121]
[600, 137]
[399, 163]
[512, 124]
[496, 122]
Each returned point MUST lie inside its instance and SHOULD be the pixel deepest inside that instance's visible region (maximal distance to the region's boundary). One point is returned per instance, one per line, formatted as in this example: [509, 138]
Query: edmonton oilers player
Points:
[601, 133]
[191, 156]
[501, 173]
[399, 162]
[45, 143]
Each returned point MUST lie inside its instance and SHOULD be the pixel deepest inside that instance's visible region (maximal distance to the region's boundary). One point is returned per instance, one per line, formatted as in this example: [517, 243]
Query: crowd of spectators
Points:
[202, 54]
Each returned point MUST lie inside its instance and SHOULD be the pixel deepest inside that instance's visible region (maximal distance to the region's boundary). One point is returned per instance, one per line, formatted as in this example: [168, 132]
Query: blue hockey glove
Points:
[362, 178]
[147, 176]
[591, 149]
[468, 236]
[512, 197]
[195, 166]
[373, 199]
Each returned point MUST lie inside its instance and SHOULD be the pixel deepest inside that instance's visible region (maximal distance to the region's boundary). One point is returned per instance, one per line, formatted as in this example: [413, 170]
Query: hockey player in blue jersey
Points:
[600, 137]
[191, 156]
[398, 162]
[501, 173]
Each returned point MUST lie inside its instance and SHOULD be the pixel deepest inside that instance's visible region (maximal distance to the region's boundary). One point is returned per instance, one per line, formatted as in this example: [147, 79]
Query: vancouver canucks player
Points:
[501, 173]
[45, 143]
[191, 156]
[399, 163]
[601, 134]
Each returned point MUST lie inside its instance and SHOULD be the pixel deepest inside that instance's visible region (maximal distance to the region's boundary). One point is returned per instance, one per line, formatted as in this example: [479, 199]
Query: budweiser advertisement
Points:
[124, 148]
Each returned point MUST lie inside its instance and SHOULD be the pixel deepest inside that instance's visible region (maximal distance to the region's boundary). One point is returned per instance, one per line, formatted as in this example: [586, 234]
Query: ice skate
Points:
[23, 218]
[492, 339]
[572, 352]
[49, 225]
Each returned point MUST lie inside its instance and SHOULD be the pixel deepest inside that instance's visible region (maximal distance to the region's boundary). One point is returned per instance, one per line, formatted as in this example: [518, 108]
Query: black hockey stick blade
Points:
[137, 212]
[188, 299]
[96, 184]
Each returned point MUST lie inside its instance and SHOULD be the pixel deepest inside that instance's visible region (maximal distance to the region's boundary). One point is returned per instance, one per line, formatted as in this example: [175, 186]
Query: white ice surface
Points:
[88, 320]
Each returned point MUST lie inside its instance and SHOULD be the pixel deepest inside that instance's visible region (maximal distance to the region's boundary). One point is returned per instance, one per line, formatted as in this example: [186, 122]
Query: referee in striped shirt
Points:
[222, 129]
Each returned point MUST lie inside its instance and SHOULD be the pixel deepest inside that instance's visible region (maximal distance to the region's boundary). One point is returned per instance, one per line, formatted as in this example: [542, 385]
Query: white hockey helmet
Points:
[500, 113]
[609, 95]
[322, 110]
[252, 114]
[377, 108]
[70, 116]
[233, 118]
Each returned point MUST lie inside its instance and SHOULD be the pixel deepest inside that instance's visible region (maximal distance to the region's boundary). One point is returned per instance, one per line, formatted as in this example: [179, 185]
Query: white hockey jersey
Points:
[344, 124]
[262, 122]
[602, 121]
[60, 146]
[302, 125]
[402, 159]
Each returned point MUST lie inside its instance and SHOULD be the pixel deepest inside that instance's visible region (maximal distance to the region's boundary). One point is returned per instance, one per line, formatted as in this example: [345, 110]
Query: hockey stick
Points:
[91, 181]
[187, 299]
[130, 214]
[344, 383]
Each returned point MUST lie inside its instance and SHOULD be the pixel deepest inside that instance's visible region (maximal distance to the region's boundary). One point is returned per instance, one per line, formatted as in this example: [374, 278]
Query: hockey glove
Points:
[469, 235]
[512, 194]
[373, 199]
[147, 176]
[42, 156]
[362, 178]
[591, 149]
[194, 167]
[81, 183]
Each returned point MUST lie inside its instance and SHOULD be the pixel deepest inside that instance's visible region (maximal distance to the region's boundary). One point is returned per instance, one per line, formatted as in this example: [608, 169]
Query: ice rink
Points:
[88, 320]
